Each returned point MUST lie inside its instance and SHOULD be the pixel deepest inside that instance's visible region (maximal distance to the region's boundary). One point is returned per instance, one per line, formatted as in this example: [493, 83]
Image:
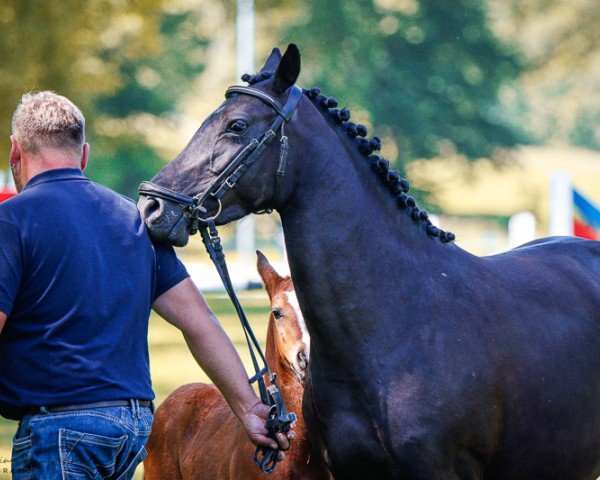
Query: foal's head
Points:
[288, 342]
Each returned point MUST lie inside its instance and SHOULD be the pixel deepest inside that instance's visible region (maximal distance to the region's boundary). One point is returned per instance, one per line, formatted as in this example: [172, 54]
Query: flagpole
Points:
[245, 233]
[561, 204]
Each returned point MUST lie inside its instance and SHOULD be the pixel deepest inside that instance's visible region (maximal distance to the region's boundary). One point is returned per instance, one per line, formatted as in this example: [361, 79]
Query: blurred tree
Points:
[425, 73]
[114, 59]
[560, 87]
[150, 86]
[71, 47]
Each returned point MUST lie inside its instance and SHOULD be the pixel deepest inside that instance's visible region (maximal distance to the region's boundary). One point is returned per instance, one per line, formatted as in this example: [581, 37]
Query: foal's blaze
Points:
[195, 434]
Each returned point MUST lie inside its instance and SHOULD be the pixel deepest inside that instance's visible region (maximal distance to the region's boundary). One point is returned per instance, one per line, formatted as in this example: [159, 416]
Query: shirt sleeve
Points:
[169, 269]
[11, 266]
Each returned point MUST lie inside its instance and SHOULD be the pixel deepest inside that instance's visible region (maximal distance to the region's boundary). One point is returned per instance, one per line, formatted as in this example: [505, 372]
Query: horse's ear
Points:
[288, 70]
[269, 275]
[272, 62]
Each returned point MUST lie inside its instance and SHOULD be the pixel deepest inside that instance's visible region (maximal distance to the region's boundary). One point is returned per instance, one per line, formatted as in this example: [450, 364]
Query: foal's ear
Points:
[288, 70]
[269, 275]
[272, 62]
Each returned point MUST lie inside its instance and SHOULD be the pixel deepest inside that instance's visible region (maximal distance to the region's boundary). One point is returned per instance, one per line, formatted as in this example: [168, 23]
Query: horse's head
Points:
[235, 164]
[288, 340]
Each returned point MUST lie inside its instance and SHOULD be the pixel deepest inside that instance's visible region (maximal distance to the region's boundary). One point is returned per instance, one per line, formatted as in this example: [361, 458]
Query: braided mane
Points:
[397, 185]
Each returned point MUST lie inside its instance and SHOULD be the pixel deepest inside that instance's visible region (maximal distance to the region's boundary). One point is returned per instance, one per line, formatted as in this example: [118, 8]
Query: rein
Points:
[279, 419]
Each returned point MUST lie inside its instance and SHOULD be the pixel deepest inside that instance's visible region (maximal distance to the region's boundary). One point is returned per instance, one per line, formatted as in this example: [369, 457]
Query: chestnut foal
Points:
[195, 434]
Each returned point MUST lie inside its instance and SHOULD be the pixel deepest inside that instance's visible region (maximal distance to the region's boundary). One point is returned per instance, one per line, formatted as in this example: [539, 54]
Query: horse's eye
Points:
[277, 313]
[237, 126]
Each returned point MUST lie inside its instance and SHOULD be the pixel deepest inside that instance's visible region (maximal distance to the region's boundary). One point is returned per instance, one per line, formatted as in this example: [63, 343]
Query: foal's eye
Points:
[237, 126]
[277, 313]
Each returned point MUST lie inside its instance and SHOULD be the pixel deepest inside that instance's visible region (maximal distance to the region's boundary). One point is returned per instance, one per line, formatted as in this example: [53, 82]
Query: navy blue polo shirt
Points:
[78, 276]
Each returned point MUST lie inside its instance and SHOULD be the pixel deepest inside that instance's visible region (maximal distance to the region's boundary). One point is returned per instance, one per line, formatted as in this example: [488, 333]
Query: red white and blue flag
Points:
[586, 221]
[6, 194]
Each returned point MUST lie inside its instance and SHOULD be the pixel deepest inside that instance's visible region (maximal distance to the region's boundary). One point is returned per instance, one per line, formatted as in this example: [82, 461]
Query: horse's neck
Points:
[337, 195]
[342, 216]
[350, 246]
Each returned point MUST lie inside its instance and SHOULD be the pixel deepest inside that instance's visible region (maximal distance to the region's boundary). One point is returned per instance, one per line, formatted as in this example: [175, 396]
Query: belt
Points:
[83, 406]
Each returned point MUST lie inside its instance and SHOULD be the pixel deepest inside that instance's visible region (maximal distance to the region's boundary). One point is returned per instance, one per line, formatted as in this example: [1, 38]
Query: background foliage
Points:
[427, 72]
[434, 78]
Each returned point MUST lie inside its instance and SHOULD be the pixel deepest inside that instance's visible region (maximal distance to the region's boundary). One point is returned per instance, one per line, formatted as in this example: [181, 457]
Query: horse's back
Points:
[568, 268]
[572, 251]
[546, 336]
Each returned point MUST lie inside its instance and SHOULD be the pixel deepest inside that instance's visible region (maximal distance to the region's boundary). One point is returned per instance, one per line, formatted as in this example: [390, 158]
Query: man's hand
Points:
[2, 320]
[254, 424]
[185, 307]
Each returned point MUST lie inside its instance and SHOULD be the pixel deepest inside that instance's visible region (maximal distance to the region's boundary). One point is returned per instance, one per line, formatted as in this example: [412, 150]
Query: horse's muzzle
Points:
[167, 221]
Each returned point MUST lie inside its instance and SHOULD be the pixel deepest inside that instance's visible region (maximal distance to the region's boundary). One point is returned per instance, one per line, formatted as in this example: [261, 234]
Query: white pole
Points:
[245, 235]
[561, 204]
[245, 37]
[521, 229]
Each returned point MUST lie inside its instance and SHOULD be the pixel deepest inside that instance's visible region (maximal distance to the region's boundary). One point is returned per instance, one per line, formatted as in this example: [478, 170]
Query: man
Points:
[78, 276]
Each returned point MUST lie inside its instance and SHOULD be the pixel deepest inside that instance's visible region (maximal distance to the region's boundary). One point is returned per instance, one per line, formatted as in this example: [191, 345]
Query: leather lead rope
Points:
[279, 419]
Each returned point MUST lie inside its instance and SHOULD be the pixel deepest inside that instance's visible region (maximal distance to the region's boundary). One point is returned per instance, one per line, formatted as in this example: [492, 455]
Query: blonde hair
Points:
[47, 120]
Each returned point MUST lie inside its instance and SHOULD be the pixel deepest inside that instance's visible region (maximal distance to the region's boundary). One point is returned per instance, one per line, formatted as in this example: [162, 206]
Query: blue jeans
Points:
[96, 443]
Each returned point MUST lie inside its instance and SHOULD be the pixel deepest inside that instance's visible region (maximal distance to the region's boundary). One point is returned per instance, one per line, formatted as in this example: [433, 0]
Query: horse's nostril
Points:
[152, 205]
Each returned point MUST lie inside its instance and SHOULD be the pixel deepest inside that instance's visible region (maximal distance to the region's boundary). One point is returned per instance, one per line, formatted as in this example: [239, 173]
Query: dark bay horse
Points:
[196, 436]
[427, 362]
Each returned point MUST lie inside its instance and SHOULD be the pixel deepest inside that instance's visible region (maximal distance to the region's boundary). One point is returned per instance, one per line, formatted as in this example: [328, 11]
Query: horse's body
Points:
[427, 362]
[195, 434]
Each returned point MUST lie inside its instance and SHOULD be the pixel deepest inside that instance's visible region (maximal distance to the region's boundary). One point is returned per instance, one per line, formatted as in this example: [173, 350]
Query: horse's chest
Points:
[398, 430]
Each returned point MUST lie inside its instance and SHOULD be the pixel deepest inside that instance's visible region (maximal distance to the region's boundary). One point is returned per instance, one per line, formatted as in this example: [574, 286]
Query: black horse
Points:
[427, 362]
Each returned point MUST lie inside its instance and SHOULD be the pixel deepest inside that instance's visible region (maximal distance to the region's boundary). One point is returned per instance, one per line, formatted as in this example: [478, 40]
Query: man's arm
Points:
[2, 321]
[184, 307]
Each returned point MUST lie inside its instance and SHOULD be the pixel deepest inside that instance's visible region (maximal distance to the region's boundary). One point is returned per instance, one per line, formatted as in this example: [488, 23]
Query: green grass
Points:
[171, 363]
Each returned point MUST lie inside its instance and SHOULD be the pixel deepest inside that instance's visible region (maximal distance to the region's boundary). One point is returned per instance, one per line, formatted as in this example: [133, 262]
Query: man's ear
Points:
[85, 154]
[15, 151]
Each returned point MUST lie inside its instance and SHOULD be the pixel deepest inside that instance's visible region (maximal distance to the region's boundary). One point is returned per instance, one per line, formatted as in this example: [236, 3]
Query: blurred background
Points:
[477, 102]
[490, 108]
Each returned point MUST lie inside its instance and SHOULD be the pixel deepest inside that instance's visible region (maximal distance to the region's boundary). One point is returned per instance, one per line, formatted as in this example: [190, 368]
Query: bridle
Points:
[194, 206]
[279, 419]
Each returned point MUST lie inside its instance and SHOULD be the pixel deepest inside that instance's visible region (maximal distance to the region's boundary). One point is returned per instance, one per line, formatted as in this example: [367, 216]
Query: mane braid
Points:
[397, 185]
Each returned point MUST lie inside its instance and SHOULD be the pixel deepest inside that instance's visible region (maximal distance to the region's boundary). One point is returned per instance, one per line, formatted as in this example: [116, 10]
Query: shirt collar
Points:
[55, 175]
